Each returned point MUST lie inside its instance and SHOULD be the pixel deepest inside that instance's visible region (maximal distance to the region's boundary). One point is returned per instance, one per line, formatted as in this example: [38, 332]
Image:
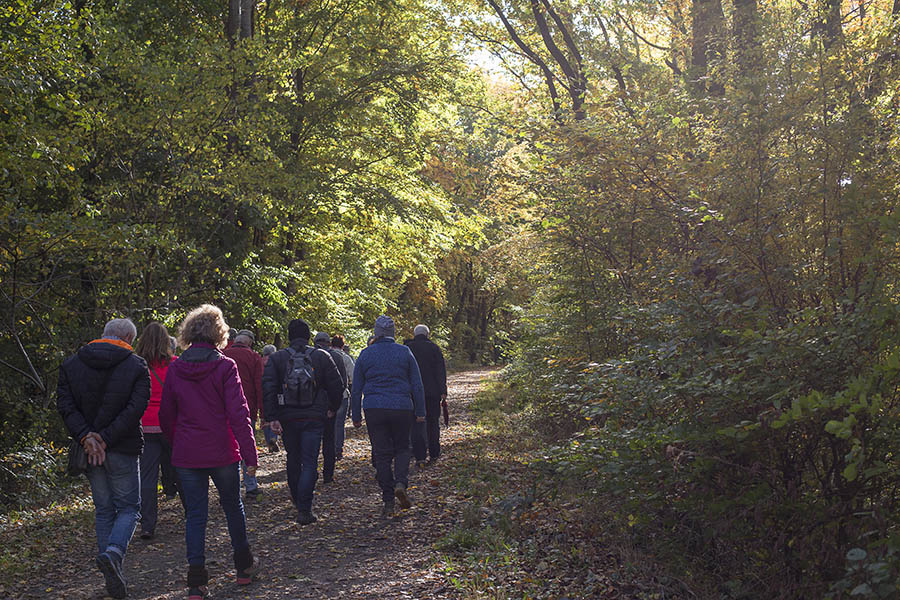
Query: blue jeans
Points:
[270, 435]
[339, 420]
[250, 483]
[116, 489]
[301, 442]
[195, 487]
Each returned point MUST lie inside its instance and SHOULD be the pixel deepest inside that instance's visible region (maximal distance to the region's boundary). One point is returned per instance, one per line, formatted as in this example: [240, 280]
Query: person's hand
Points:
[251, 471]
[420, 419]
[98, 438]
[330, 413]
[96, 453]
[275, 426]
[357, 424]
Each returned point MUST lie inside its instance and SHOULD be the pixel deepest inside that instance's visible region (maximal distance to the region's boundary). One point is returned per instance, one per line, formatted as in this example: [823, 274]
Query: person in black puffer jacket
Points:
[434, 378]
[301, 428]
[102, 393]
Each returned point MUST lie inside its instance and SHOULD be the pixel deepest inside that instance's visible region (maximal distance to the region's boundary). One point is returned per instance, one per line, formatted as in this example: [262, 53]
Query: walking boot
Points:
[197, 580]
[247, 567]
[400, 494]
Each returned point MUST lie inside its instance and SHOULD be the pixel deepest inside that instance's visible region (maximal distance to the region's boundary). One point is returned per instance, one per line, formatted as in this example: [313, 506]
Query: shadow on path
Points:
[349, 553]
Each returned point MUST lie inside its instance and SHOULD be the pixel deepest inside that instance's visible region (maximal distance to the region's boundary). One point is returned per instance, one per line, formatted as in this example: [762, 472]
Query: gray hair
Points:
[243, 339]
[421, 330]
[269, 349]
[120, 329]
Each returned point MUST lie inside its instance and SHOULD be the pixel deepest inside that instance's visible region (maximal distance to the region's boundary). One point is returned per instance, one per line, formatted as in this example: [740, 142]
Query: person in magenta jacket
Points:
[205, 417]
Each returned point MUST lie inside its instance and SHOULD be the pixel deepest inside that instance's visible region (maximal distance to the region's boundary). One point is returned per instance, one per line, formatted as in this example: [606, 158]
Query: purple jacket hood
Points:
[203, 411]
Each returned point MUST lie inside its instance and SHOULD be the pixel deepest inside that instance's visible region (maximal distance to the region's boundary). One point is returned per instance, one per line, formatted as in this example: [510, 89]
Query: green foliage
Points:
[148, 164]
[713, 331]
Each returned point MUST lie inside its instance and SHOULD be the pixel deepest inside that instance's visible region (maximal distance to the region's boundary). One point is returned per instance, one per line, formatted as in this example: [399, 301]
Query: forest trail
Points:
[349, 553]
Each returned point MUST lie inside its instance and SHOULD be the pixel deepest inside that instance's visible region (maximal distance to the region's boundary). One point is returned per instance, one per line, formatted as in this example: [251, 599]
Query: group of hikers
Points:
[141, 412]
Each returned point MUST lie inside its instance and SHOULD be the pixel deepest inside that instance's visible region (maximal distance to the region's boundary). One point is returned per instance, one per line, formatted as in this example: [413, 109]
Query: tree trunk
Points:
[706, 44]
[248, 9]
[747, 51]
[233, 21]
[832, 23]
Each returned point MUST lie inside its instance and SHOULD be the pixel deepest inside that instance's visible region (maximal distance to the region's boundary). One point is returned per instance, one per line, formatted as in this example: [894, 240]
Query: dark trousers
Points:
[418, 439]
[156, 457]
[389, 433]
[328, 449]
[301, 442]
[433, 426]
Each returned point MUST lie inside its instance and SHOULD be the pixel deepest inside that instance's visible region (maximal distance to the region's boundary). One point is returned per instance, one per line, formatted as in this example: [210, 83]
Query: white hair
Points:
[421, 330]
[120, 329]
[269, 349]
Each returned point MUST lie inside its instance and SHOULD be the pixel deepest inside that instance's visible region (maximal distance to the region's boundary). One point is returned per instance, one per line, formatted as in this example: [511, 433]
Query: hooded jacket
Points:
[116, 416]
[204, 413]
[329, 384]
[431, 365]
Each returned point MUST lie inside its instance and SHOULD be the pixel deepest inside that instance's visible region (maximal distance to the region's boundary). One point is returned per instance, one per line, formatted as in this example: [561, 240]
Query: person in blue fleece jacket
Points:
[388, 385]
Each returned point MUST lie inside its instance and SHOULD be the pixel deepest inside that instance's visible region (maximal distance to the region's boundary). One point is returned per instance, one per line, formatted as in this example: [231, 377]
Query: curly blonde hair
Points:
[204, 324]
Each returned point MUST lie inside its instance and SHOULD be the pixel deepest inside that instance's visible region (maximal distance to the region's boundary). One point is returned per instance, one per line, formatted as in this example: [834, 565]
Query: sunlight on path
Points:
[348, 553]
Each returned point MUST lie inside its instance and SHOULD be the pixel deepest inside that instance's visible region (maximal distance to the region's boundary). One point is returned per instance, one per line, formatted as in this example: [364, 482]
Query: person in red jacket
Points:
[154, 347]
[205, 417]
[250, 368]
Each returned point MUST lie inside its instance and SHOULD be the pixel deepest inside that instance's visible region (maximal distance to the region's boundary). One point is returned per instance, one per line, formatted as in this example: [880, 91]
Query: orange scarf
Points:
[115, 342]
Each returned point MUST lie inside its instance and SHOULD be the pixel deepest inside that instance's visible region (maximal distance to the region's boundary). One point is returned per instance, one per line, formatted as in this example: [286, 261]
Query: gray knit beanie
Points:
[384, 327]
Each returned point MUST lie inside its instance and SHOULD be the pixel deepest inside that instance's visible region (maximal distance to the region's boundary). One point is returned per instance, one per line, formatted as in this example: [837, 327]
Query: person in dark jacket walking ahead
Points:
[387, 384]
[102, 392]
[205, 417]
[322, 341]
[298, 407]
[434, 379]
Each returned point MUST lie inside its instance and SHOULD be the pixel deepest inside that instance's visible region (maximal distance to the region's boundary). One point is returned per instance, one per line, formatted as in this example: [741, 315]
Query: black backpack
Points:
[299, 387]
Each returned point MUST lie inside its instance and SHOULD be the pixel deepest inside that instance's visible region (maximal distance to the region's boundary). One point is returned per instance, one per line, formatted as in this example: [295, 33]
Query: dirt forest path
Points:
[349, 553]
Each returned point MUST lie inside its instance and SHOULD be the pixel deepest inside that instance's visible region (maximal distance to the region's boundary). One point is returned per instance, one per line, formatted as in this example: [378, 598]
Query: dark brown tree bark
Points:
[532, 56]
[576, 80]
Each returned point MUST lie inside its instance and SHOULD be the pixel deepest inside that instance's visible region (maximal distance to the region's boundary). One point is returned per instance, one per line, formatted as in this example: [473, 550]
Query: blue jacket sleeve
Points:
[359, 382]
[415, 382]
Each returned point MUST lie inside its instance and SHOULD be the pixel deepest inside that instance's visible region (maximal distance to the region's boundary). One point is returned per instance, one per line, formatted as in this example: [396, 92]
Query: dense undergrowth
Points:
[755, 461]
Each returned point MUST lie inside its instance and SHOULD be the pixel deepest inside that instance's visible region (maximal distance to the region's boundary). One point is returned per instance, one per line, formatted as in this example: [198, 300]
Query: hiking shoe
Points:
[306, 517]
[247, 575]
[197, 593]
[147, 535]
[273, 447]
[111, 567]
[387, 511]
[400, 494]
[252, 495]
[328, 479]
